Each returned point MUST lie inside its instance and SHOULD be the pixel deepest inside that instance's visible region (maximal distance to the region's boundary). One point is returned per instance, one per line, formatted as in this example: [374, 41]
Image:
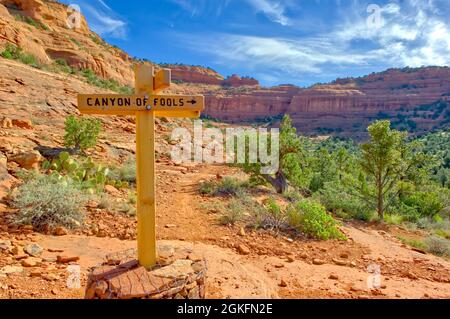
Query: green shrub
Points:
[207, 188]
[229, 186]
[239, 208]
[409, 213]
[132, 198]
[32, 22]
[426, 203]
[438, 246]
[413, 243]
[226, 186]
[233, 213]
[109, 84]
[431, 225]
[292, 195]
[273, 217]
[82, 133]
[47, 202]
[393, 219]
[312, 219]
[63, 66]
[13, 52]
[443, 233]
[126, 208]
[76, 42]
[336, 200]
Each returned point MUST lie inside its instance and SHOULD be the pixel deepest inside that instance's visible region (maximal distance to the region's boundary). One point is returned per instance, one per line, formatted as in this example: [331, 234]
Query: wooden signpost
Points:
[145, 105]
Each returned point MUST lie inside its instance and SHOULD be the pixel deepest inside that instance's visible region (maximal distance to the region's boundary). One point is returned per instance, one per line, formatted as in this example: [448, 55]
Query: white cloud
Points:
[412, 34]
[105, 22]
[274, 10]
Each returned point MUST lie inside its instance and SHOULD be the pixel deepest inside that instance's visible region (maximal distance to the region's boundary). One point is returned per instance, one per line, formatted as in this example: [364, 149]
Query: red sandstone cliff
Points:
[346, 104]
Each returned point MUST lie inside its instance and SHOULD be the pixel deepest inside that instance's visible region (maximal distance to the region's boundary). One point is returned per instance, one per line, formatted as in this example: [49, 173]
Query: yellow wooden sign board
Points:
[145, 105]
[162, 105]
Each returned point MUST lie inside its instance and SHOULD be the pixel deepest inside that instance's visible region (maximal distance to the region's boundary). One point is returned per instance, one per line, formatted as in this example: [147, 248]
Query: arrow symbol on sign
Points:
[192, 102]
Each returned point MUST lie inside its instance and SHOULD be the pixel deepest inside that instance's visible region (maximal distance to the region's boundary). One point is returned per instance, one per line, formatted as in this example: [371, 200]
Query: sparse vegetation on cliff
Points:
[13, 52]
[31, 21]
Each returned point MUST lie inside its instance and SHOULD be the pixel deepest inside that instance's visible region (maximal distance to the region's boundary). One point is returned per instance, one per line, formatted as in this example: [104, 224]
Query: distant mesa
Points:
[202, 75]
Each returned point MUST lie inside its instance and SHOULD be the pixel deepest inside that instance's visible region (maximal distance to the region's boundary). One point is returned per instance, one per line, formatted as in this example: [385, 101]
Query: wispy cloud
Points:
[199, 7]
[103, 20]
[274, 10]
[103, 3]
[286, 55]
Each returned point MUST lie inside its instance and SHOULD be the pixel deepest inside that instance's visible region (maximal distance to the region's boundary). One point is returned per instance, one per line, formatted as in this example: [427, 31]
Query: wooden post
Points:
[145, 163]
[147, 84]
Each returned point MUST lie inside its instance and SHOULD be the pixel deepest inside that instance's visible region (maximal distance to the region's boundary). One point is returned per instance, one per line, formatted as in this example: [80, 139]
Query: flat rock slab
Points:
[121, 277]
[138, 283]
[180, 269]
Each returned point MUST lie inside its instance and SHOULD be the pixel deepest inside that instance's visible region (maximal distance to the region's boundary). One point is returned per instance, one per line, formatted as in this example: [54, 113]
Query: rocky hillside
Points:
[414, 99]
[40, 28]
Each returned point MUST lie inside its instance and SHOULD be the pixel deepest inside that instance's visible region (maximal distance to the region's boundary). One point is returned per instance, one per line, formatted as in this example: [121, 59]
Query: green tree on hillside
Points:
[382, 162]
[293, 161]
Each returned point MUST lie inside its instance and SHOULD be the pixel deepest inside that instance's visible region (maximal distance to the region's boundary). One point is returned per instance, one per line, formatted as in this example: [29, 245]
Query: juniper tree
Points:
[293, 163]
[382, 162]
[81, 133]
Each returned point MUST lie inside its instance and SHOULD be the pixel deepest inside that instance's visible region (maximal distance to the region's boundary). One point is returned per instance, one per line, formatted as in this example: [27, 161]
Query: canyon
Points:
[243, 262]
[409, 97]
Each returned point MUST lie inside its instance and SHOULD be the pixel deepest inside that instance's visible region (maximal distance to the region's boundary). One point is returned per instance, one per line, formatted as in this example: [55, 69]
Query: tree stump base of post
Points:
[179, 274]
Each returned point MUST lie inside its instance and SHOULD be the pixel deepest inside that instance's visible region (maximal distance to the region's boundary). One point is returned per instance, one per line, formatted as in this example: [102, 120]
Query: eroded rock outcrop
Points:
[346, 105]
[41, 28]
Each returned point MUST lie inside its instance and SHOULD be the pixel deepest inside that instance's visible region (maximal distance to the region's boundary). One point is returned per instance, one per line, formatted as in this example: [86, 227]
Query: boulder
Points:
[243, 250]
[60, 231]
[28, 160]
[33, 250]
[5, 245]
[111, 190]
[31, 262]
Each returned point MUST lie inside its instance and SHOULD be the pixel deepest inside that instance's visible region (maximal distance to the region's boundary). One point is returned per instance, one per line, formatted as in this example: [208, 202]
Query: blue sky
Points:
[300, 42]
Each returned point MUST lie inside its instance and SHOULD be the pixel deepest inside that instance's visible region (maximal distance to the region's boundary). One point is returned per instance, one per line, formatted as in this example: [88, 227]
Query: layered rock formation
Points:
[201, 75]
[41, 28]
[346, 104]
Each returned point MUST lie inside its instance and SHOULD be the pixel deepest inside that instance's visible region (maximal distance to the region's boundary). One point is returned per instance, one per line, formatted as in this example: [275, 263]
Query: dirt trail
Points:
[404, 272]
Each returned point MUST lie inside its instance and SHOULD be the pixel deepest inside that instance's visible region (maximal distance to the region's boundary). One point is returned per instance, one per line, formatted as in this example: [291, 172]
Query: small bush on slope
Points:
[81, 133]
[438, 246]
[46, 203]
[312, 219]
[226, 186]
